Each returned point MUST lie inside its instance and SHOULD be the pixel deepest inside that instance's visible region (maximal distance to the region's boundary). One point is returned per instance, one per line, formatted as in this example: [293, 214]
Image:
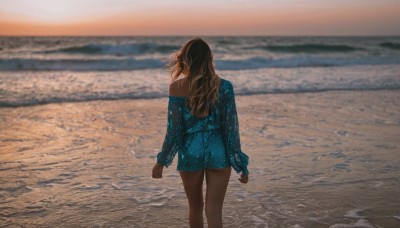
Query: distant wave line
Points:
[309, 48]
[390, 45]
[22, 64]
[145, 48]
[122, 96]
[114, 49]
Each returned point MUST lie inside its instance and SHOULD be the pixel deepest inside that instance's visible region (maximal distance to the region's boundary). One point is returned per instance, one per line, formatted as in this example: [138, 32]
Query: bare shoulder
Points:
[179, 88]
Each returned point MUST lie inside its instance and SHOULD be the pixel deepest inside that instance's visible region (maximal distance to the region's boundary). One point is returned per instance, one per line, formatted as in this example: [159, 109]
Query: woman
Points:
[203, 129]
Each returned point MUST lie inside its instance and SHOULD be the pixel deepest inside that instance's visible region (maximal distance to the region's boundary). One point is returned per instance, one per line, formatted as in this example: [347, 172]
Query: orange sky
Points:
[65, 18]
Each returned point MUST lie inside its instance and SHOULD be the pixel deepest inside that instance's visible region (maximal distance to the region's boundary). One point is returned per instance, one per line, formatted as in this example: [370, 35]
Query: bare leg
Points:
[193, 184]
[217, 182]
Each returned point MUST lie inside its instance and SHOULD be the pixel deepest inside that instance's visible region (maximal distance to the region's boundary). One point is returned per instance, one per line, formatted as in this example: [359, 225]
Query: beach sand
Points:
[316, 160]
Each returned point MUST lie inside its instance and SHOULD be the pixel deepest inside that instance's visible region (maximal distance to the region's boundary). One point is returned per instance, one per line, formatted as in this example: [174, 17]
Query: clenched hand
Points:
[157, 171]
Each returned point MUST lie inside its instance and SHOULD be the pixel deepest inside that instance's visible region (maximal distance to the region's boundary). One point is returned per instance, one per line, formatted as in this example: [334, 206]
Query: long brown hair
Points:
[195, 61]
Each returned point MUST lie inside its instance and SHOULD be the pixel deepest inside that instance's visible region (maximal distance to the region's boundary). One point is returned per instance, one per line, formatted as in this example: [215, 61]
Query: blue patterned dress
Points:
[209, 142]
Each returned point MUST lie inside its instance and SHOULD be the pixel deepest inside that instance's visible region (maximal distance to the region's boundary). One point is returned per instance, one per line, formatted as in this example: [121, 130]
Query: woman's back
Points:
[183, 131]
[192, 123]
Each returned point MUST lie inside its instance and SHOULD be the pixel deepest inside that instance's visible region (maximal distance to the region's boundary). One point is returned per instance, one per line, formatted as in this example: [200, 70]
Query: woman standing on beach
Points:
[203, 129]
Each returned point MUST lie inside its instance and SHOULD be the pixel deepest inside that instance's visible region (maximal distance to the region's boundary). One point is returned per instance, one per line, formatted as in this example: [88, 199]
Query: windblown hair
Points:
[195, 61]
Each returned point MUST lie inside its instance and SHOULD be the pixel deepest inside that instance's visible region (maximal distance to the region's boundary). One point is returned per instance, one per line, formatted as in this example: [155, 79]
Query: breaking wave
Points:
[19, 64]
[118, 50]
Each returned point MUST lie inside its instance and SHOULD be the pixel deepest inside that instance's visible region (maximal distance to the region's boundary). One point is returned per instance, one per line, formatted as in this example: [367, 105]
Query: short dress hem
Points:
[194, 170]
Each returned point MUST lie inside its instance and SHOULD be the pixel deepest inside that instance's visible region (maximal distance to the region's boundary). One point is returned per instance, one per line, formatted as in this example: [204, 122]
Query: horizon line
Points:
[177, 35]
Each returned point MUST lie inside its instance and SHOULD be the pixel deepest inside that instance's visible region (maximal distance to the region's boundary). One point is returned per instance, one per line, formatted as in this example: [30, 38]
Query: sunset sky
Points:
[204, 17]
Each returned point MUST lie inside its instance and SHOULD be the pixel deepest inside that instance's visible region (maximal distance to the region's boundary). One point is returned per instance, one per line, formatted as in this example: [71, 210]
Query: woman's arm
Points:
[174, 134]
[230, 132]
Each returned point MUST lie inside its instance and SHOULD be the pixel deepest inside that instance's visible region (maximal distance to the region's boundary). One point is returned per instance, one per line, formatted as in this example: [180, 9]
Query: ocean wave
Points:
[390, 45]
[152, 95]
[78, 98]
[148, 48]
[151, 63]
[298, 61]
[78, 65]
[118, 50]
[308, 48]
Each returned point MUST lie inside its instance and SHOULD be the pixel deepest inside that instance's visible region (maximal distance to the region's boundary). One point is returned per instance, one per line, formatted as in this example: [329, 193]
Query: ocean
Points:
[319, 119]
[38, 70]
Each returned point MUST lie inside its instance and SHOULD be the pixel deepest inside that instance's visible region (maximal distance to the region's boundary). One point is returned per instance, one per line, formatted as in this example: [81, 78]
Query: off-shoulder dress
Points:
[209, 142]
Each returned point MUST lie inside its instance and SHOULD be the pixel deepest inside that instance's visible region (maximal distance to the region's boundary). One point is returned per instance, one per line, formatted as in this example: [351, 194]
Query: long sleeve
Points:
[230, 132]
[174, 134]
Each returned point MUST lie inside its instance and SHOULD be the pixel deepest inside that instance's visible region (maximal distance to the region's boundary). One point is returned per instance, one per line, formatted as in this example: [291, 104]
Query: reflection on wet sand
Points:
[317, 160]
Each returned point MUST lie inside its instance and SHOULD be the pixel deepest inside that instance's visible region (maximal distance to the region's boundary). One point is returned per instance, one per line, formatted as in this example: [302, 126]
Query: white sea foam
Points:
[52, 87]
[230, 53]
[354, 213]
[62, 69]
[361, 223]
[131, 63]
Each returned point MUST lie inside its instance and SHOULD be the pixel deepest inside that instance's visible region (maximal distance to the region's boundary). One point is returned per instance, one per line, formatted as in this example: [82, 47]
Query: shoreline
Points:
[126, 97]
[316, 160]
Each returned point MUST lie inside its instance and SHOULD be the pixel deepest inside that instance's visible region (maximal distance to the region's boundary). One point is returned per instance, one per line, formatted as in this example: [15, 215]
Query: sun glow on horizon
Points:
[225, 17]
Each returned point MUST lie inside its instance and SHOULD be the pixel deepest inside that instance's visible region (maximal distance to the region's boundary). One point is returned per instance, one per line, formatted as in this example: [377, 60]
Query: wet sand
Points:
[328, 159]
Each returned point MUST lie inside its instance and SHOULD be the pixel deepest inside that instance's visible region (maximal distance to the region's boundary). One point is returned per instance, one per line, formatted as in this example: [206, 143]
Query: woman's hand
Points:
[244, 178]
[157, 171]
